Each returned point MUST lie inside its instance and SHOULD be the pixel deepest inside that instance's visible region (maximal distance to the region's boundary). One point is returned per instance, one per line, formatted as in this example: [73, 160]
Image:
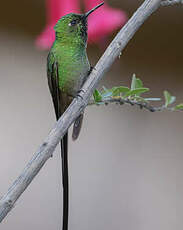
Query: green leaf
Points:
[136, 92]
[116, 91]
[138, 84]
[153, 99]
[107, 93]
[169, 99]
[133, 83]
[97, 96]
[179, 107]
[104, 88]
[172, 100]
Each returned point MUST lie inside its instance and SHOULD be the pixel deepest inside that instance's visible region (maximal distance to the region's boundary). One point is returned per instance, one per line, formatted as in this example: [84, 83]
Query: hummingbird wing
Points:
[79, 120]
[53, 82]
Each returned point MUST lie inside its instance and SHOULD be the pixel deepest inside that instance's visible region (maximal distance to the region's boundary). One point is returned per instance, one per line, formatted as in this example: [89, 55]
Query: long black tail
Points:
[65, 181]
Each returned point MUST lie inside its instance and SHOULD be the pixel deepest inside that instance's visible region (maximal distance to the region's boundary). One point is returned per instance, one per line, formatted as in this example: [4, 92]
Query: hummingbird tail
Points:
[77, 127]
[65, 180]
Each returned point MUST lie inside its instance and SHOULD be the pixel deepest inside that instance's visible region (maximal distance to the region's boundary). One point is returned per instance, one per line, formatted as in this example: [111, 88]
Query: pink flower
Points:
[100, 24]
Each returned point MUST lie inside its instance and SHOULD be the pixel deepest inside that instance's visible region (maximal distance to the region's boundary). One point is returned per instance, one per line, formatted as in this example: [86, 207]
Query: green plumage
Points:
[73, 66]
[67, 64]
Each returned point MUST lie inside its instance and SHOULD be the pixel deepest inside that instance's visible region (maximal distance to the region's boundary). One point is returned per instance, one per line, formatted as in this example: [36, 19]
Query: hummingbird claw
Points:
[81, 91]
[80, 96]
[91, 68]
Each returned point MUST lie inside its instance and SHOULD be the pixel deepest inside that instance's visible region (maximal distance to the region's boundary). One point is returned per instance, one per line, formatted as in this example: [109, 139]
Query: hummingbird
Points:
[67, 70]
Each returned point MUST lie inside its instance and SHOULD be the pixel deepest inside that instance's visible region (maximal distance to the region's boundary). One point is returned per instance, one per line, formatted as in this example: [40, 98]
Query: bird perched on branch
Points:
[67, 70]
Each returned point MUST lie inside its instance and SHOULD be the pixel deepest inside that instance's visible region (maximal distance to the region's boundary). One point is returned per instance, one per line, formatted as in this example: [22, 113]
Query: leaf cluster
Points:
[133, 95]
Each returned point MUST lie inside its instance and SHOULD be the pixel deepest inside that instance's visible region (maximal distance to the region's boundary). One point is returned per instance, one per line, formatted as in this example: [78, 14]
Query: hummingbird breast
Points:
[73, 70]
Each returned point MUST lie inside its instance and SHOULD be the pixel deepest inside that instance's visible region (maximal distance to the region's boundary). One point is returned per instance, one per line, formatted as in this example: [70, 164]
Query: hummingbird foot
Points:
[91, 68]
[80, 92]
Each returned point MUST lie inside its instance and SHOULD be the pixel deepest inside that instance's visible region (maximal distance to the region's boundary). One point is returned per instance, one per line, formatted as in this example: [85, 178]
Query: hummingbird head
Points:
[73, 27]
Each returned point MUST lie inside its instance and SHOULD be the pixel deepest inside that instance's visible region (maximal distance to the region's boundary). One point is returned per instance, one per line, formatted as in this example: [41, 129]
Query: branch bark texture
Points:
[171, 2]
[45, 151]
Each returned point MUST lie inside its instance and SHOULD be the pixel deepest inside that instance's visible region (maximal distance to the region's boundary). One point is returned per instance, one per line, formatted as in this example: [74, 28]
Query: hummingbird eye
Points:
[73, 23]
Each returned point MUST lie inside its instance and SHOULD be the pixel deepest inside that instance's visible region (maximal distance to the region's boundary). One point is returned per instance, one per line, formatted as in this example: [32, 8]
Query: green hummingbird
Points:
[67, 70]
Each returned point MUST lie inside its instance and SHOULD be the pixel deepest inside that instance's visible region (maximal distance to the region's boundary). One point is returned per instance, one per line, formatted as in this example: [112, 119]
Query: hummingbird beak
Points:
[90, 11]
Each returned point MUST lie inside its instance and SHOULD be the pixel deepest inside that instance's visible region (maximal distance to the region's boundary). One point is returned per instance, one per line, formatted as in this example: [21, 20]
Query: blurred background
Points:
[126, 168]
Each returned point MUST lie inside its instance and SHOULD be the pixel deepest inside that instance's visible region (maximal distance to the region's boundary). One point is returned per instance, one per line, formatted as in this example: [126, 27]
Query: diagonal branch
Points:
[45, 151]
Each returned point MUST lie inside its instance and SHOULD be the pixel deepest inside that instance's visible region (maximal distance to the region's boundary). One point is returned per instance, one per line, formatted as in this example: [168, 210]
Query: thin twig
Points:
[141, 105]
[171, 2]
[78, 104]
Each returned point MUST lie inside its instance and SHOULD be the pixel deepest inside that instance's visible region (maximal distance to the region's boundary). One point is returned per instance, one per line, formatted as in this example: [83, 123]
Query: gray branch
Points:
[171, 2]
[45, 151]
